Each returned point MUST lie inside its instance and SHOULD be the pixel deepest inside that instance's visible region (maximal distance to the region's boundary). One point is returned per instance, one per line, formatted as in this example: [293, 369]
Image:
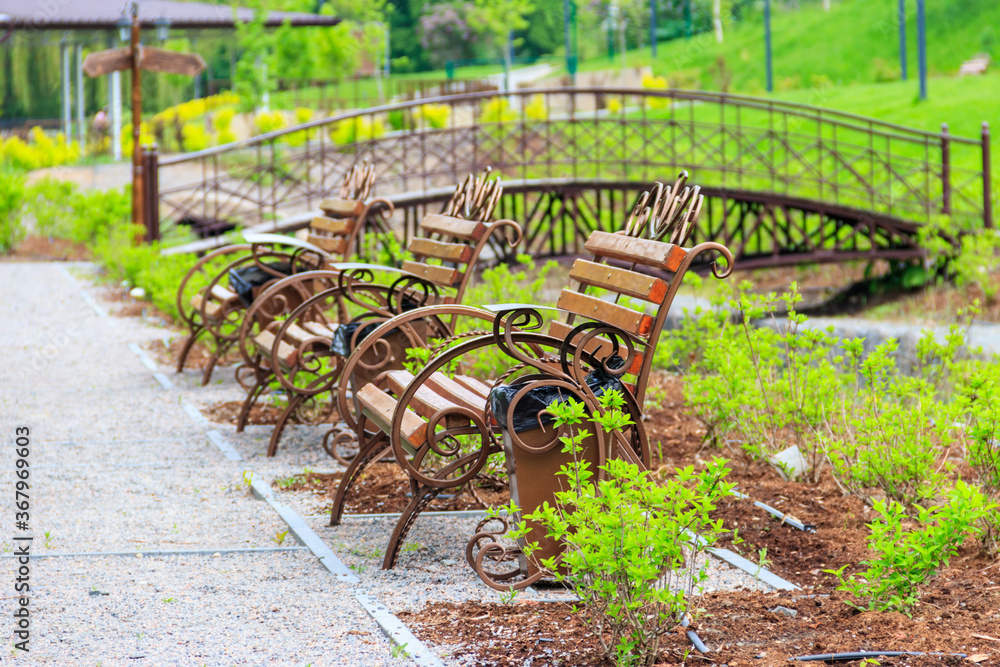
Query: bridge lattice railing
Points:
[724, 141]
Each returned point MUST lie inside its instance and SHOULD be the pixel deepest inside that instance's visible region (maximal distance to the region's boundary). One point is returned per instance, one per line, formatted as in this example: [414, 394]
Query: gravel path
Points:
[119, 466]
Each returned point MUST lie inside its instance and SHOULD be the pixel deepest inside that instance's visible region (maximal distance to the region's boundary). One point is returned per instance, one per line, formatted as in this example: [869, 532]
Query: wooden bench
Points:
[442, 430]
[975, 66]
[297, 351]
[207, 307]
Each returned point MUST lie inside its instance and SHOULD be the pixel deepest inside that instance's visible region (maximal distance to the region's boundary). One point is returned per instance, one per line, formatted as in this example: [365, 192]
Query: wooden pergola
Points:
[86, 21]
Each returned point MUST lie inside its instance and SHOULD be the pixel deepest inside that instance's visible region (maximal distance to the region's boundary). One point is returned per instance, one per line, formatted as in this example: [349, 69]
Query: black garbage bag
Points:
[341, 345]
[538, 399]
[243, 281]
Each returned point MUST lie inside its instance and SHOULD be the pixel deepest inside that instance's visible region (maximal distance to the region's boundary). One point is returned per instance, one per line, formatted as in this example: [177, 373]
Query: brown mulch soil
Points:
[228, 412]
[383, 487]
[961, 601]
[42, 248]
[197, 358]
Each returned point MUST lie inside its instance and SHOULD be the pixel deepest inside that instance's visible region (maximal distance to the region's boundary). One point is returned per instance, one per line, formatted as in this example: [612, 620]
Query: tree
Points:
[496, 19]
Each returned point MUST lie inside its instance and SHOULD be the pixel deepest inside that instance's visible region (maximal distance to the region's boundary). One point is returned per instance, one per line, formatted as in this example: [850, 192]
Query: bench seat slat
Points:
[472, 384]
[331, 244]
[286, 353]
[593, 308]
[213, 310]
[379, 407]
[456, 393]
[425, 401]
[635, 250]
[622, 281]
[220, 293]
[319, 329]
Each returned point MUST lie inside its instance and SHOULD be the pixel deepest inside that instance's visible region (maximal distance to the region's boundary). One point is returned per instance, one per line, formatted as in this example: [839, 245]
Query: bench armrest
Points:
[280, 239]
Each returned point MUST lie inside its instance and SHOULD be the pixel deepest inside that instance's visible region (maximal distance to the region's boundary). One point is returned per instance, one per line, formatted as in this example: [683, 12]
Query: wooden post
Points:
[151, 160]
[137, 212]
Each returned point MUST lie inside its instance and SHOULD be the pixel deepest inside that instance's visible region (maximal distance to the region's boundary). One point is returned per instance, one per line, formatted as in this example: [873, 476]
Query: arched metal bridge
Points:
[785, 183]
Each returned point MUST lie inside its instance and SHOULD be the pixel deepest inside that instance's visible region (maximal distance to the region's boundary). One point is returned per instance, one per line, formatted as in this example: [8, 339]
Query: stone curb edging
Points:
[390, 625]
[161, 552]
[768, 577]
[303, 533]
[398, 633]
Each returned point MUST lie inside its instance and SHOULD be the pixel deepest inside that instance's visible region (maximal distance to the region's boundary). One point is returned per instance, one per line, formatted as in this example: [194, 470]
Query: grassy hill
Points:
[855, 42]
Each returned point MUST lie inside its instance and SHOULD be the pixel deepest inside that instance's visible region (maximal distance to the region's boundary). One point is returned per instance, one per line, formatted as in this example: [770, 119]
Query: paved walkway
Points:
[118, 466]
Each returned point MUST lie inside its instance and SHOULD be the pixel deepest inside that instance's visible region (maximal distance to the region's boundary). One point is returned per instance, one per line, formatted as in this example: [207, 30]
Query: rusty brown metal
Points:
[795, 157]
[302, 374]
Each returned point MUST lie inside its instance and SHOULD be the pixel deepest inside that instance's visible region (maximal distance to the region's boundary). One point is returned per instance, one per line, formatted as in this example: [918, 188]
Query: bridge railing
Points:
[725, 141]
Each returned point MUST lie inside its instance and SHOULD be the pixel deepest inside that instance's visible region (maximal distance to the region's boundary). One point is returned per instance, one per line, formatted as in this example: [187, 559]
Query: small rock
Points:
[137, 293]
[138, 556]
[448, 562]
[790, 613]
[216, 555]
[790, 463]
[97, 593]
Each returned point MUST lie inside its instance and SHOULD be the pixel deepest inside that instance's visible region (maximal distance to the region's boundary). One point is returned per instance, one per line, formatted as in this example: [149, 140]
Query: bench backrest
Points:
[450, 242]
[631, 281]
[336, 231]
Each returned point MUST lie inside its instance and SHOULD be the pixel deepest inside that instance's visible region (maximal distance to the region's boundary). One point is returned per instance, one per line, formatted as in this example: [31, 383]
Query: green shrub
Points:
[360, 128]
[629, 552]
[903, 559]
[890, 438]
[11, 204]
[982, 402]
[497, 110]
[46, 202]
[433, 115]
[195, 137]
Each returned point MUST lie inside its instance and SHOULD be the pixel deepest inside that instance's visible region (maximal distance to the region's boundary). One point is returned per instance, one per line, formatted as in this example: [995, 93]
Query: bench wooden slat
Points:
[475, 386]
[591, 307]
[319, 329]
[331, 244]
[449, 252]
[440, 275]
[342, 208]
[599, 346]
[379, 407]
[212, 309]
[425, 401]
[339, 226]
[222, 294]
[286, 353]
[634, 250]
[456, 393]
[436, 223]
[622, 281]
[297, 334]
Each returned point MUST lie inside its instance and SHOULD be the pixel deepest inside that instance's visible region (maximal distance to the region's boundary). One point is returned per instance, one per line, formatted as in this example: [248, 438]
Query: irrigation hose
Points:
[861, 655]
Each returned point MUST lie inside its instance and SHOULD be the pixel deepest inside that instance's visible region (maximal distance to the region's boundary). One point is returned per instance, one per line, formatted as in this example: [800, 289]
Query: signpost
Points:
[137, 58]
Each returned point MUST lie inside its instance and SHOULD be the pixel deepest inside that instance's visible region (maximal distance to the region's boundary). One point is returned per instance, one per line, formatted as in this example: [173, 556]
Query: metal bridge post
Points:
[987, 179]
[945, 170]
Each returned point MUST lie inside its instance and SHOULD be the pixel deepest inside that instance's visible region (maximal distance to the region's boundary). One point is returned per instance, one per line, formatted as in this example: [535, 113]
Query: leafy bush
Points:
[496, 110]
[39, 151]
[651, 82]
[433, 115]
[268, 121]
[360, 128]
[195, 137]
[768, 386]
[977, 258]
[11, 203]
[629, 551]
[222, 121]
[535, 109]
[982, 401]
[890, 434]
[46, 202]
[903, 559]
